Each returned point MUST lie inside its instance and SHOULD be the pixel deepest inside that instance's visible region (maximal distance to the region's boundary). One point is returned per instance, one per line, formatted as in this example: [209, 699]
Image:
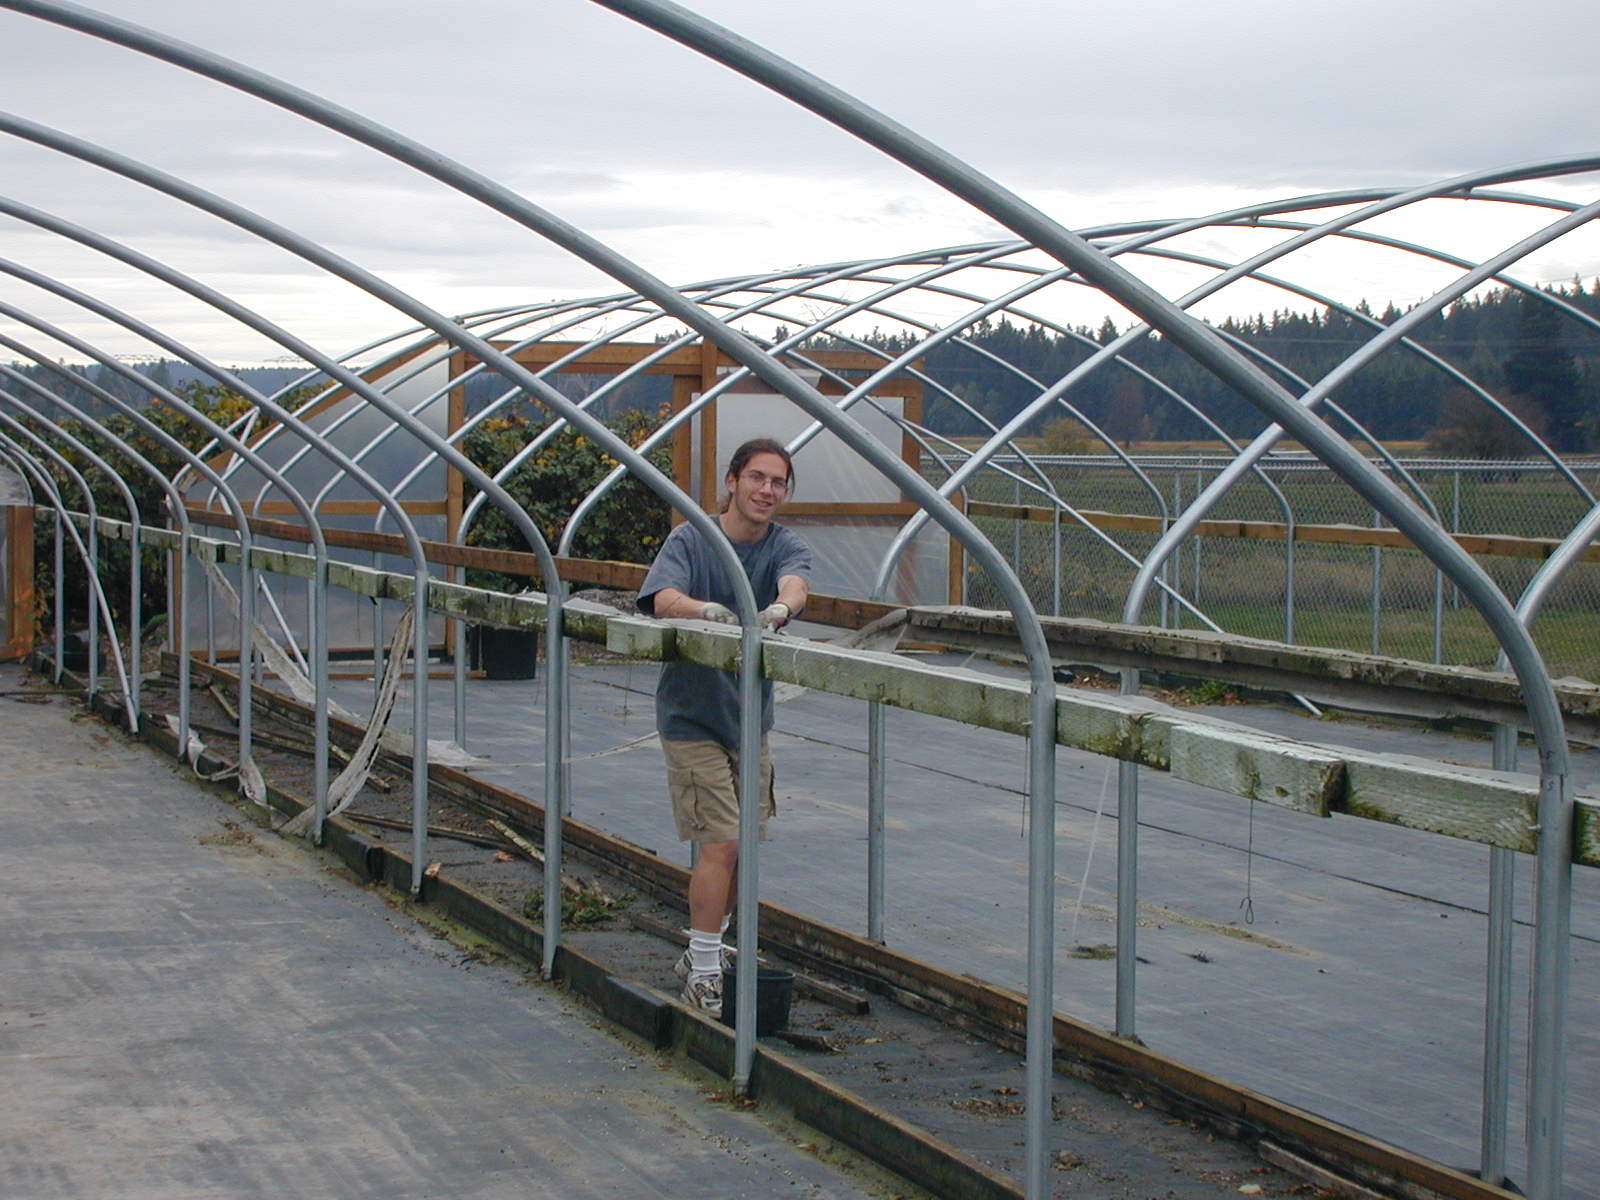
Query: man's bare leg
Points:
[711, 885]
[710, 892]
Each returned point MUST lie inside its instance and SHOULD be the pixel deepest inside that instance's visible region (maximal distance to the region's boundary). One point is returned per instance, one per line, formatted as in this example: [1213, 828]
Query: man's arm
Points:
[793, 590]
[792, 593]
[669, 602]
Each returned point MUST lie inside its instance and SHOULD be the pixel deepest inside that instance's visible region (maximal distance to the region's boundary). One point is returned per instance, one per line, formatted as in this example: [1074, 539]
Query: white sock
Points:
[705, 952]
[726, 917]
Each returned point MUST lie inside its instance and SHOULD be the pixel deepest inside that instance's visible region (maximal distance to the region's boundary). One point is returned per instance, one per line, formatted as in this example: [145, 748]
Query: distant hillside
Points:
[165, 373]
[1534, 356]
[1541, 362]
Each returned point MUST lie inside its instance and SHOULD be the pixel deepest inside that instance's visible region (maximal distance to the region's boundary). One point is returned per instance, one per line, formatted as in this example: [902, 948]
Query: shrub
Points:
[1067, 435]
[628, 525]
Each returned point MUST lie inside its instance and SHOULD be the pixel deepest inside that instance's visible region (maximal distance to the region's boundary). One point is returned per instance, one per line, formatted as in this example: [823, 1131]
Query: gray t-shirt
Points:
[696, 703]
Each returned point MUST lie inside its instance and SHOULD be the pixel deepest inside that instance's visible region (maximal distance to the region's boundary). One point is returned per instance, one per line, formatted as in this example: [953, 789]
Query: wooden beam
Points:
[1483, 545]
[899, 509]
[1495, 808]
[1344, 677]
[18, 589]
[842, 611]
[338, 508]
[606, 359]
[683, 389]
[1483, 806]
[956, 574]
[704, 489]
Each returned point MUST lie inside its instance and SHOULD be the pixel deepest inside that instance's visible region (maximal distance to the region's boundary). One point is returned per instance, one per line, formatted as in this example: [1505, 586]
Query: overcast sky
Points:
[1096, 113]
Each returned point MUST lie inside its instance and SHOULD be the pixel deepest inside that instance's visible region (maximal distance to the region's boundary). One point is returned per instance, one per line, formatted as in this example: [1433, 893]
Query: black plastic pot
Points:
[774, 995]
[507, 653]
[75, 652]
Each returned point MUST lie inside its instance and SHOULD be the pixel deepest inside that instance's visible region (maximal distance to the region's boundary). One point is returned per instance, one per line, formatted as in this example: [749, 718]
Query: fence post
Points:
[1377, 582]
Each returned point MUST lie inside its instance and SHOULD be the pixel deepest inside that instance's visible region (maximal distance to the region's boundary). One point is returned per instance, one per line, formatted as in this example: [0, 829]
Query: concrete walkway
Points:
[191, 1010]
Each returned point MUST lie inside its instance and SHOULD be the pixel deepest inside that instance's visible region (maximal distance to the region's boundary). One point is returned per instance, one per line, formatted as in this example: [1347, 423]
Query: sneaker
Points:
[704, 992]
[686, 961]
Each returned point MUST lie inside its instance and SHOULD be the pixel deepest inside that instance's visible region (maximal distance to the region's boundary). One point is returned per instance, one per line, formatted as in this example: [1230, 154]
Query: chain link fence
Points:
[1325, 586]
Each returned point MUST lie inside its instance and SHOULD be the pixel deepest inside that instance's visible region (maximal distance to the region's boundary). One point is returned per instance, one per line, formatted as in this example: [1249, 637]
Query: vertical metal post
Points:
[1040, 1065]
[1455, 523]
[260, 675]
[459, 682]
[317, 609]
[1127, 881]
[378, 645]
[178, 633]
[1016, 529]
[1055, 572]
[94, 611]
[1438, 607]
[1438, 615]
[1497, 989]
[135, 616]
[749, 898]
[1164, 593]
[877, 773]
[211, 622]
[1377, 582]
[1288, 572]
[1199, 486]
[1552, 971]
[564, 652]
[419, 728]
[1175, 576]
[59, 564]
[247, 647]
[555, 714]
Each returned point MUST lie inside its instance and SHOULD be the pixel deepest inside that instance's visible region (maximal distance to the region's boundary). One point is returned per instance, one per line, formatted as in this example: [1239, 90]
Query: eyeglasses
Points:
[758, 481]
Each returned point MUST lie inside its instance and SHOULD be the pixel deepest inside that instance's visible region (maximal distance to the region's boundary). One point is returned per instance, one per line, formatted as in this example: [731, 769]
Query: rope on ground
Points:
[1088, 862]
[278, 661]
[343, 790]
[193, 751]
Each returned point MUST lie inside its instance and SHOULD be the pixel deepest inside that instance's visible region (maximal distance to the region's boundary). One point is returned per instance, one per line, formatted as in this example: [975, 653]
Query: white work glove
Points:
[774, 616]
[721, 613]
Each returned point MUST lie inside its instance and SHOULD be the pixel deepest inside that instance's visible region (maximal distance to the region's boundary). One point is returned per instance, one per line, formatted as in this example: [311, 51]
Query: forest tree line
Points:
[1539, 361]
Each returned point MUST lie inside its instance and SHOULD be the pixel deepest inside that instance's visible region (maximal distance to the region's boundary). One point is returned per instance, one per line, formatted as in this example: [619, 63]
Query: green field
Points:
[1241, 585]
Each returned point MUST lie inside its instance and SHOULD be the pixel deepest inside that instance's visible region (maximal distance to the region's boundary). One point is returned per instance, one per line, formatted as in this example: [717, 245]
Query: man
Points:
[697, 708]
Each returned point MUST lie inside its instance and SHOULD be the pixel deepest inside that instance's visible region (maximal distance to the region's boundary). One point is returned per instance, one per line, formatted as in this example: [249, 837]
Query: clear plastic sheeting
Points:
[13, 489]
[849, 550]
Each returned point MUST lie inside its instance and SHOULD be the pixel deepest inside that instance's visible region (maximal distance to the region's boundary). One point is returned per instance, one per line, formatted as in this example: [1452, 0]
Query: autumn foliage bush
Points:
[627, 526]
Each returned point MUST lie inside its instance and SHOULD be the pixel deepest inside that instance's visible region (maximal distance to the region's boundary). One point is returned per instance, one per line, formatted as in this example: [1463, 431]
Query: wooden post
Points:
[709, 481]
[18, 582]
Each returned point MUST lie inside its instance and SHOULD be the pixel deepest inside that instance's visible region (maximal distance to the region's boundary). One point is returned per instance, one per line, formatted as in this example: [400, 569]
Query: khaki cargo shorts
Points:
[703, 779]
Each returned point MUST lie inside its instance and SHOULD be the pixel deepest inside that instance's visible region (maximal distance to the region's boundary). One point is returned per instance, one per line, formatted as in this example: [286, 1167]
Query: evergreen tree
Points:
[1543, 371]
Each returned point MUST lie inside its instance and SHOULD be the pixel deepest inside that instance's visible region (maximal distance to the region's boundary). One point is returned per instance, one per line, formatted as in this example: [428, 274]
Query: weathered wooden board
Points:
[1116, 726]
[1498, 808]
[1485, 806]
[1259, 766]
[1483, 545]
[1329, 675]
[642, 638]
[1587, 834]
[966, 696]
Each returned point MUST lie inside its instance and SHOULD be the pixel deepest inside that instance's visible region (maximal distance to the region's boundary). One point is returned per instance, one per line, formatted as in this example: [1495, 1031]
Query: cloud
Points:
[1158, 108]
